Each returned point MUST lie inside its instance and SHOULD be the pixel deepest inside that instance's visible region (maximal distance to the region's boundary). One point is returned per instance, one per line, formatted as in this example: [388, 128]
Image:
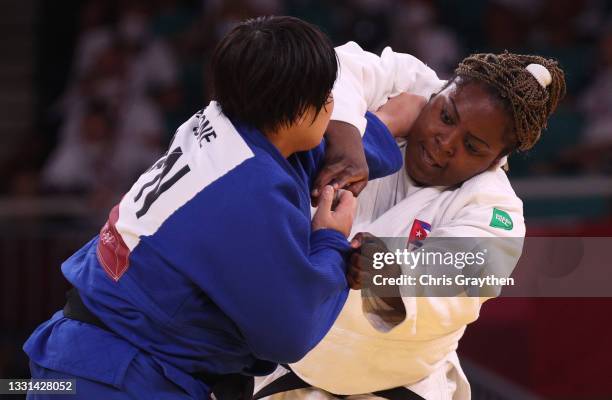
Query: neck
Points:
[278, 139]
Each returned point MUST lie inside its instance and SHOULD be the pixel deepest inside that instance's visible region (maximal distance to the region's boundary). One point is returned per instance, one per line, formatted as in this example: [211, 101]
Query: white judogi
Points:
[362, 353]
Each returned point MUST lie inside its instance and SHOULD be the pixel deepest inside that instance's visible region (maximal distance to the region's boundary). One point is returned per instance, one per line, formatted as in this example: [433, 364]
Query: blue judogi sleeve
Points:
[382, 153]
[282, 285]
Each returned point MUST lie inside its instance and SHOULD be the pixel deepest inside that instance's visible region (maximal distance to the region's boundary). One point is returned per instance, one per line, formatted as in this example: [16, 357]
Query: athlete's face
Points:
[460, 133]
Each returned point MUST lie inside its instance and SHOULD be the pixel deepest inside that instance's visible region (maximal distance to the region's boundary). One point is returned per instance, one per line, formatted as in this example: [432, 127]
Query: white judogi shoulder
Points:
[366, 81]
[362, 353]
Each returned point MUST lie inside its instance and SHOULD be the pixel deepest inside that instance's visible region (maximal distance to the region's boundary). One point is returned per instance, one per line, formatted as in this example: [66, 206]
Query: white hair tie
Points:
[540, 73]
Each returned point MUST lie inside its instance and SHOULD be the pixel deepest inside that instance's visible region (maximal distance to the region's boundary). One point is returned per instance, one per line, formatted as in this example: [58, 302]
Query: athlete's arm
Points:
[471, 230]
[345, 164]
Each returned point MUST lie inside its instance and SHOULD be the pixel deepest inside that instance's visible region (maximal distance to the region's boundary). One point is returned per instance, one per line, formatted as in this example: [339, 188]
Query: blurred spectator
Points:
[146, 61]
[367, 23]
[105, 147]
[508, 22]
[591, 20]
[95, 35]
[594, 152]
[596, 100]
[110, 126]
[415, 30]
[150, 62]
[556, 33]
[81, 164]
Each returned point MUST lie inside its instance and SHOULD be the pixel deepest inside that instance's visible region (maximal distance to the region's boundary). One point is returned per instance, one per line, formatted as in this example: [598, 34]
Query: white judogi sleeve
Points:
[366, 81]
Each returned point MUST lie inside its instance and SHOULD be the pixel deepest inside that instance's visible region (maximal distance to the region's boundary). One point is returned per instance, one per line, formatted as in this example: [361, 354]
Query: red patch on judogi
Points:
[112, 251]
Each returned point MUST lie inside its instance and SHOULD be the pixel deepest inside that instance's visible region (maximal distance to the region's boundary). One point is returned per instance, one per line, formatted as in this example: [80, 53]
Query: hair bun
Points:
[541, 74]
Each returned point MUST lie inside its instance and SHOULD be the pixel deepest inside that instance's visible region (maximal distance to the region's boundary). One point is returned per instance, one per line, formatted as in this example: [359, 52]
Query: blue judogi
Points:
[207, 265]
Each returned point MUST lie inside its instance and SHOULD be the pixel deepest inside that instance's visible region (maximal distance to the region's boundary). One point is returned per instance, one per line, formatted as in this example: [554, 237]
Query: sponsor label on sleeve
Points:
[501, 219]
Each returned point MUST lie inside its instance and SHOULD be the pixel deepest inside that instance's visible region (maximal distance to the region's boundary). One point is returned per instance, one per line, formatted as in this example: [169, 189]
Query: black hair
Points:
[269, 70]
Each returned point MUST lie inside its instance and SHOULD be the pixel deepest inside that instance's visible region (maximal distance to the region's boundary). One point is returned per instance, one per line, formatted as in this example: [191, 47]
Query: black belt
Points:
[291, 381]
[75, 309]
[230, 386]
[224, 387]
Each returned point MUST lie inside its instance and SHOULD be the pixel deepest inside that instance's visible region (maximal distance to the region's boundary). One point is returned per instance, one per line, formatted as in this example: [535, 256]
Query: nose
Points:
[447, 143]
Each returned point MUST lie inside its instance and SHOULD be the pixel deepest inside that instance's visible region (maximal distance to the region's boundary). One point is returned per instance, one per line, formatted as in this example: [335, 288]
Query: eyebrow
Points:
[459, 119]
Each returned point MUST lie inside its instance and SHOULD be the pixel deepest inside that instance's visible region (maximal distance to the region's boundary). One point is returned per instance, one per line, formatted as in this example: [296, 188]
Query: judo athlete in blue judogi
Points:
[211, 265]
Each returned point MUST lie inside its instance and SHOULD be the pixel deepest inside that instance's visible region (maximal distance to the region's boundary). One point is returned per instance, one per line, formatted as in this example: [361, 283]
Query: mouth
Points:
[428, 159]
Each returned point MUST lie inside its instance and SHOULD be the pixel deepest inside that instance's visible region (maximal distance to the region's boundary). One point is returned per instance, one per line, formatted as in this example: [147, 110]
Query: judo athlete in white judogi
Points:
[453, 185]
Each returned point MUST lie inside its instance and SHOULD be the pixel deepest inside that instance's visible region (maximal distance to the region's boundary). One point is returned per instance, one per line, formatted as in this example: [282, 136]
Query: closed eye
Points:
[445, 117]
[471, 147]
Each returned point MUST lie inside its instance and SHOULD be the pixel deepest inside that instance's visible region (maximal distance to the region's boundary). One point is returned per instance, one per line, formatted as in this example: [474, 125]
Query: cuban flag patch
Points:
[418, 233]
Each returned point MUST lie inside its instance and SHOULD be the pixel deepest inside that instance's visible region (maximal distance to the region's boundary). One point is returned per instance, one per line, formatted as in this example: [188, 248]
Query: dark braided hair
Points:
[530, 103]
